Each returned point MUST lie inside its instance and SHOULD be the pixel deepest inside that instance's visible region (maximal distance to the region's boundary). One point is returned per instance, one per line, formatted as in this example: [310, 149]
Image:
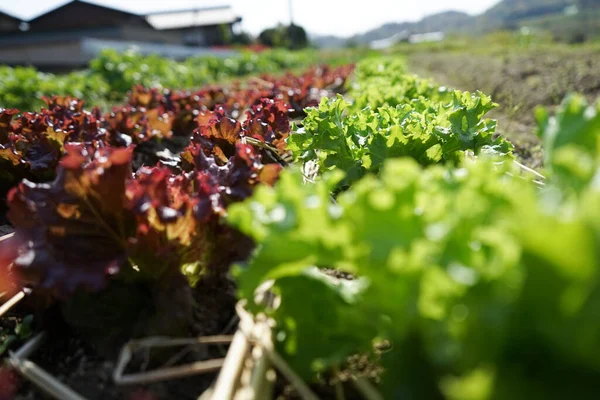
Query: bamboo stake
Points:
[208, 393]
[30, 347]
[7, 236]
[258, 381]
[530, 170]
[278, 362]
[254, 383]
[11, 303]
[227, 381]
[44, 381]
[36, 375]
[17, 297]
[269, 387]
[199, 367]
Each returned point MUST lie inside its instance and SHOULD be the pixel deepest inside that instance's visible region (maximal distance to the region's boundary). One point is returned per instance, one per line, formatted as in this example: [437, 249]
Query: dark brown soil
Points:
[79, 364]
[519, 80]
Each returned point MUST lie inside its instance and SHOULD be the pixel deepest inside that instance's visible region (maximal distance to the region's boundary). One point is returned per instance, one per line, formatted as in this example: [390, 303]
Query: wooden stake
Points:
[11, 303]
[36, 375]
[159, 375]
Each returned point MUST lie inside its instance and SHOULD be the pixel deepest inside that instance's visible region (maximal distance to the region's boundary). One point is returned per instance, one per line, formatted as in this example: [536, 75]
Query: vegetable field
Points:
[520, 78]
[346, 232]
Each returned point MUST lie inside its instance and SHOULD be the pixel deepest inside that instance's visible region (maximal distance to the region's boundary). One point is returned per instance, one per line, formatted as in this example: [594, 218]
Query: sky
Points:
[321, 17]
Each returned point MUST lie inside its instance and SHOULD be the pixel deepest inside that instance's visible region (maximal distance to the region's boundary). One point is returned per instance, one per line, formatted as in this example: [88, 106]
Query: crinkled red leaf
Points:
[6, 117]
[76, 227]
[36, 140]
[129, 125]
[269, 121]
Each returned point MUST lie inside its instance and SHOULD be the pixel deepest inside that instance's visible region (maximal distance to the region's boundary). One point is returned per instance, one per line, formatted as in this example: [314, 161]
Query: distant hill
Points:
[445, 21]
[520, 9]
[329, 41]
[508, 14]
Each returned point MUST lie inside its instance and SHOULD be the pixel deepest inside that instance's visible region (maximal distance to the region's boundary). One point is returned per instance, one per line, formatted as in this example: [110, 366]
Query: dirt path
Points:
[519, 81]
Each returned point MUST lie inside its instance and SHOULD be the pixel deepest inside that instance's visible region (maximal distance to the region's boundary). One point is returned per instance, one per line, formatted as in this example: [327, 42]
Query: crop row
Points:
[111, 75]
[479, 276]
[153, 119]
[466, 274]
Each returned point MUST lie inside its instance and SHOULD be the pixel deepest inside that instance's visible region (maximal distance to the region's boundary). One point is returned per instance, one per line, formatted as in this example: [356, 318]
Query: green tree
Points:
[290, 37]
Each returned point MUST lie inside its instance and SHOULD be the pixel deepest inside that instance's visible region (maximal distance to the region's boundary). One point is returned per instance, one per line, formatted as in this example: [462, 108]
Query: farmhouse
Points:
[8, 23]
[69, 36]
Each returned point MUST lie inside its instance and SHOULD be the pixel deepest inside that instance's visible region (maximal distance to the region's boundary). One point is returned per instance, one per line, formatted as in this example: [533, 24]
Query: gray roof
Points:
[178, 19]
[48, 12]
[7, 15]
[198, 16]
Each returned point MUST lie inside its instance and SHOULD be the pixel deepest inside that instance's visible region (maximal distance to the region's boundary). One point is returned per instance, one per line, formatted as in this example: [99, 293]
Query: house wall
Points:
[45, 56]
[143, 34]
[69, 36]
[211, 35]
[8, 24]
